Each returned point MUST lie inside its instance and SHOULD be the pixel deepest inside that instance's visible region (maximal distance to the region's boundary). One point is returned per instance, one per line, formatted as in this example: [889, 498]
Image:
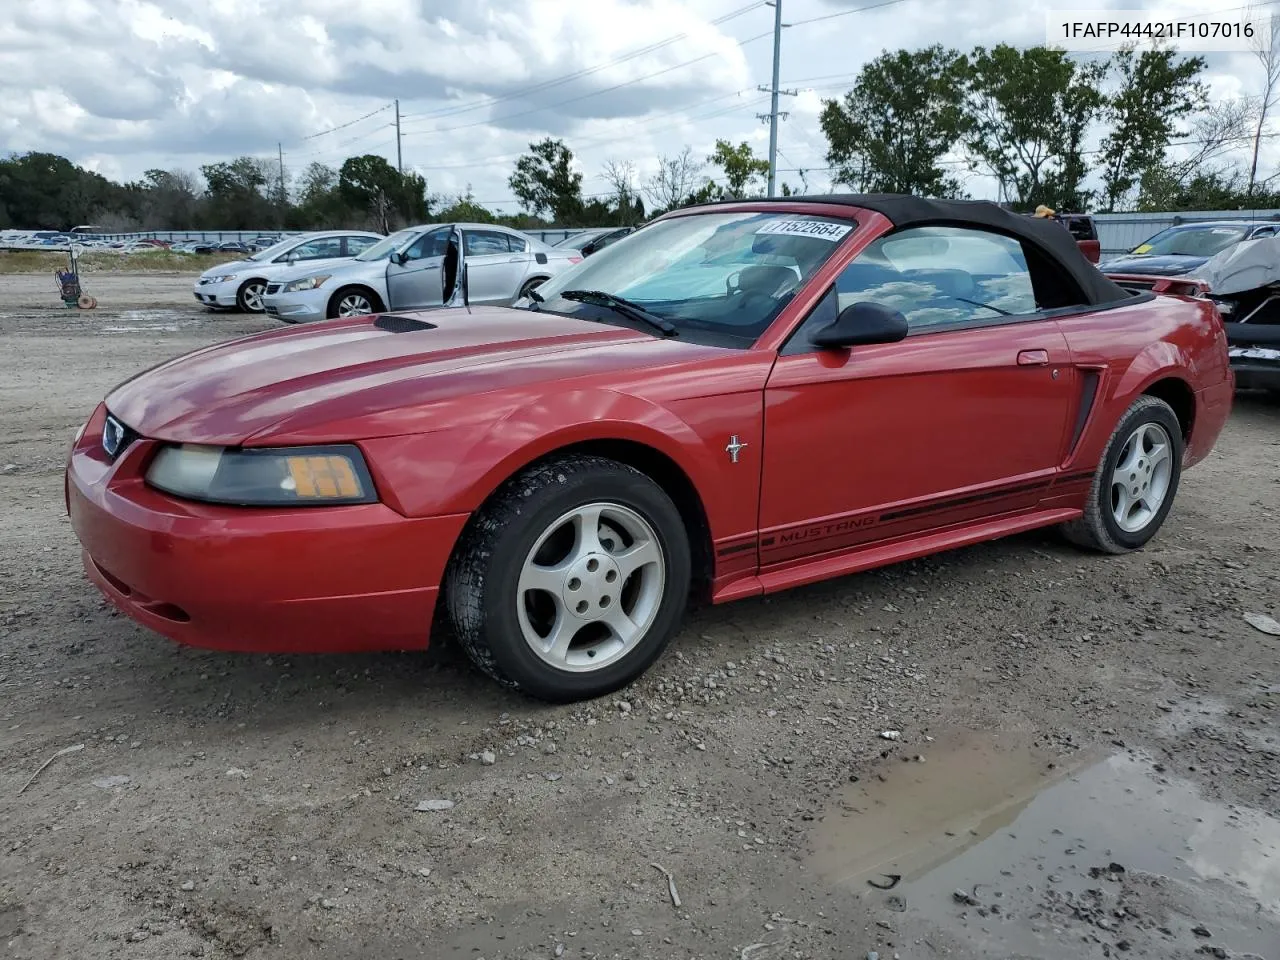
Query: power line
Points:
[585, 96]
[349, 123]
[580, 145]
[849, 12]
[570, 77]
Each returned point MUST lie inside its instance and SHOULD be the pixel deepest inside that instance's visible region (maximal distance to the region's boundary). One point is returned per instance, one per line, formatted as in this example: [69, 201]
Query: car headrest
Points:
[766, 278]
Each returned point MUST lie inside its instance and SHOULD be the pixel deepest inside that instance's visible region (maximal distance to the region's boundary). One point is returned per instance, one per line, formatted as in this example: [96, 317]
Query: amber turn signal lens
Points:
[324, 477]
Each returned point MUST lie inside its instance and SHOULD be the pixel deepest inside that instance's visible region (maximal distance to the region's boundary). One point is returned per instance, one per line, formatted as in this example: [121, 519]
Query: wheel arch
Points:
[654, 463]
[375, 298]
[1176, 392]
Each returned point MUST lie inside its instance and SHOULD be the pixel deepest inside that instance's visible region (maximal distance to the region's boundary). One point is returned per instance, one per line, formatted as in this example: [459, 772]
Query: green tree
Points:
[1202, 171]
[461, 208]
[169, 200]
[370, 186]
[1155, 91]
[47, 191]
[904, 113]
[676, 178]
[1029, 111]
[545, 182]
[234, 198]
[743, 171]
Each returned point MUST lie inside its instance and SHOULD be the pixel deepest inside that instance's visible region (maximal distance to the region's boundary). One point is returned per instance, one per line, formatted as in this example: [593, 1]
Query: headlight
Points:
[306, 283]
[222, 279]
[283, 476]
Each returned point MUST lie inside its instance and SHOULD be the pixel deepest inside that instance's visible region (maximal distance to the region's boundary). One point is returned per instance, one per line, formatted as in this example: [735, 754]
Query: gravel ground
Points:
[929, 721]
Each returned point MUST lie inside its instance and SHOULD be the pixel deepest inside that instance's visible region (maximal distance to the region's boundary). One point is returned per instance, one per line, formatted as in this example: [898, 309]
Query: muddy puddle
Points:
[148, 321]
[993, 848]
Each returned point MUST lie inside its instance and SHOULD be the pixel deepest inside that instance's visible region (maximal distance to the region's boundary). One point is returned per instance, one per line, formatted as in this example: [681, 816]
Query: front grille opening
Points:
[170, 611]
[115, 581]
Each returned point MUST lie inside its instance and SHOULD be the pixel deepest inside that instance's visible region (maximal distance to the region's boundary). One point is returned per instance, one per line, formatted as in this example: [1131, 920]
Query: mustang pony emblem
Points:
[733, 448]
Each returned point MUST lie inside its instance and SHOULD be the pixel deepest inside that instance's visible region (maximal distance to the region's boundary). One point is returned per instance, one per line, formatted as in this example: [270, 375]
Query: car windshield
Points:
[384, 248]
[719, 277]
[276, 249]
[1198, 241]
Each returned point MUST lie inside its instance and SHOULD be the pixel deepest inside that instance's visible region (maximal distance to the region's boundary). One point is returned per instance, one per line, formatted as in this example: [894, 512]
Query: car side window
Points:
[939, 278]
[609, 238]
[431, 244]
[518, 244]
[480, 243]
[358, 245]
[1263, 232]
[319, 249]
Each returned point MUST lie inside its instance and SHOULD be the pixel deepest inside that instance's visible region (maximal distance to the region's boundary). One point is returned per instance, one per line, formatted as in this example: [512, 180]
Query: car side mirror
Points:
[860, 323]
[291, 258]
[399, 258]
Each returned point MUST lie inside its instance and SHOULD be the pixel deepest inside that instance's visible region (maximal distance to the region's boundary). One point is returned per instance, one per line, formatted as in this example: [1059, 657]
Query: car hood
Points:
[273, 271]
[345, 269]
[365, 370]
[1166, 266]
[231, 266]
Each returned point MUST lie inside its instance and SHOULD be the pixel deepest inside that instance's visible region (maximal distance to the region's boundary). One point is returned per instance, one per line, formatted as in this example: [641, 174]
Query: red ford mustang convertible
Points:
[735, 399]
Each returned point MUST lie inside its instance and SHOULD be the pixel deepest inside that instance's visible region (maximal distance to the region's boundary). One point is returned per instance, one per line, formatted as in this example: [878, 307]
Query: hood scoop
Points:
[394, 323]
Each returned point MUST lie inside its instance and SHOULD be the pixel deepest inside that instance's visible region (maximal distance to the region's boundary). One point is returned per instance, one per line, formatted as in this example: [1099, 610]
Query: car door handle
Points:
[1033, 358]
[515, 260]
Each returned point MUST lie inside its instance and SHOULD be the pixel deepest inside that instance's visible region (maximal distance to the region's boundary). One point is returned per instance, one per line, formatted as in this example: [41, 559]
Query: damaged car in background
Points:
[1244, 281]
[1234, 263]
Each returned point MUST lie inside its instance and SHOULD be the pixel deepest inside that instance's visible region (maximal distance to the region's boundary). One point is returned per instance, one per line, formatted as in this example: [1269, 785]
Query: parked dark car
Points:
[1180, 249]
[589, 241]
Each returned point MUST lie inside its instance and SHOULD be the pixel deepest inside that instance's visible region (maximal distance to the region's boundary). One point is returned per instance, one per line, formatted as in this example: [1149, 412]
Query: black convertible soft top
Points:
[1049, 237]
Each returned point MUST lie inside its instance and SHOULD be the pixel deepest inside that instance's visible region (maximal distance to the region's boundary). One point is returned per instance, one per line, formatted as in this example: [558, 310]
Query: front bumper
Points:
[1254, 352]
[1256, 368]
[300, 580]
[303, 307]
[216, 294]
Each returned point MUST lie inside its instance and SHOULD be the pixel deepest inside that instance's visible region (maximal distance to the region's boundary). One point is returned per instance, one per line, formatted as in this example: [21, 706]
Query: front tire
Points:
[353, 302]
[249, 296]
[1136, 481]
[571, 581]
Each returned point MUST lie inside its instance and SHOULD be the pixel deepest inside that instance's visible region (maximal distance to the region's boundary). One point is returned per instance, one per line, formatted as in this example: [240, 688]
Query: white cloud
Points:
[127, 85]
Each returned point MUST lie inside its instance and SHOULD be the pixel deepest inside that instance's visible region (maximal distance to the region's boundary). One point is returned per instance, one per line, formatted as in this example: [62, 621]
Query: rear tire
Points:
[530, 285]
[354, 302]
[571, 581]
[1136, 481]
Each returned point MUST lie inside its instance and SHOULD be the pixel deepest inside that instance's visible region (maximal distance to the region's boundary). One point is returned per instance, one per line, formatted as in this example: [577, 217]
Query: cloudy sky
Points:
[121, 86]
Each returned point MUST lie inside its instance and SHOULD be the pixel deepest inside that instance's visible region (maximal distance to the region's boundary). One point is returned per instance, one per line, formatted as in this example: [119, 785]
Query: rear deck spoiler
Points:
[1173, 286]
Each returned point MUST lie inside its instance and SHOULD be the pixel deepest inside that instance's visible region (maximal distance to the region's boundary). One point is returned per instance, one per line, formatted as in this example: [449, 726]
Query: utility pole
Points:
[399, 156]
[773, 114]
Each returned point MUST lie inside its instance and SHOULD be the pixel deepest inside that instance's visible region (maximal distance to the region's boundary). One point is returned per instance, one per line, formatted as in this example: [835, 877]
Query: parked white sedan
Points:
[241, 283]
[403, 273]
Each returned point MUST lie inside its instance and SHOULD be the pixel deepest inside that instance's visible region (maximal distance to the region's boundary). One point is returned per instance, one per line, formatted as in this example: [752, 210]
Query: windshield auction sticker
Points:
[1105, 31]
[819, 229]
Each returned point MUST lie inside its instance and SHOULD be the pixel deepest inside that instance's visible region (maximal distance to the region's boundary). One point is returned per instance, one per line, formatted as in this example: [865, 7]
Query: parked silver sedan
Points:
[241, 283]
[403, 273]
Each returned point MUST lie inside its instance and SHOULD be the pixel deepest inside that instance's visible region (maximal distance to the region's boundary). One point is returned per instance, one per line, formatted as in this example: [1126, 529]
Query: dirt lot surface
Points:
[1057, 755]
